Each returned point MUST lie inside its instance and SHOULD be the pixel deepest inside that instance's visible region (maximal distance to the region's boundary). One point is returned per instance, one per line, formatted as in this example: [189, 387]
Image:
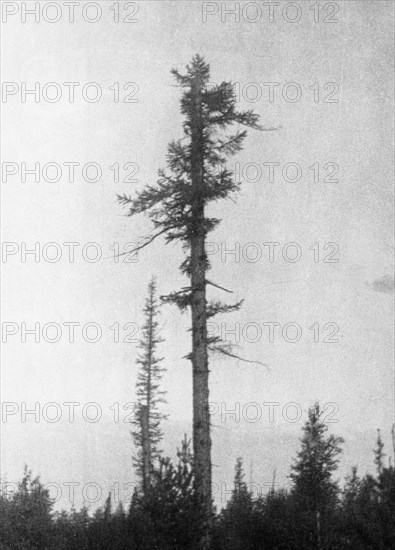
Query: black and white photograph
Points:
[197, 260]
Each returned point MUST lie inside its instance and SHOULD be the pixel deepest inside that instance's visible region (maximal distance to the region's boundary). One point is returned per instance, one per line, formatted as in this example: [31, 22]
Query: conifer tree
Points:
[314, 490]
[147, 433]
[197, 176]
[26, 514]
[166, 517]
[240, 490]
[379, 453]
[239, 521]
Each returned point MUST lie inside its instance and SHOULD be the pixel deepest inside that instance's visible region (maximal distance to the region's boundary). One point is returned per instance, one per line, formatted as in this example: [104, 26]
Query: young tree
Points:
[147, 433]
[238, 525]
[196, 176]
[368, 507]
[379, 453]
[166, 517]
[314, 490]
[26, 514]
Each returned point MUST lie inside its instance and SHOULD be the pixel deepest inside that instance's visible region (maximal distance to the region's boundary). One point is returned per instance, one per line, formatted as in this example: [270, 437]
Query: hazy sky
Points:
[342, 72]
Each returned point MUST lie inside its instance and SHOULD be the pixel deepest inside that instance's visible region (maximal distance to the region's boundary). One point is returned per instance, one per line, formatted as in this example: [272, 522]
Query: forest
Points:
[316, 513]
[173, 506]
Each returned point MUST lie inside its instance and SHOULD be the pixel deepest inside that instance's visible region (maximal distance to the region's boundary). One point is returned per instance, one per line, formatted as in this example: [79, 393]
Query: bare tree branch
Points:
[218, 286]
[140, 247]
[229, 353]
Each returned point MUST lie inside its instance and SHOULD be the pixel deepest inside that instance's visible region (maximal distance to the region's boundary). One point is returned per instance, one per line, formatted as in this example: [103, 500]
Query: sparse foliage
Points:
[147, 431]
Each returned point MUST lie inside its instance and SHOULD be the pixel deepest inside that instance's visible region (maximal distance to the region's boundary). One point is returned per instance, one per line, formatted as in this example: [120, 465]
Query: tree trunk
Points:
[145, 444]
[201, 416]
[318, 529]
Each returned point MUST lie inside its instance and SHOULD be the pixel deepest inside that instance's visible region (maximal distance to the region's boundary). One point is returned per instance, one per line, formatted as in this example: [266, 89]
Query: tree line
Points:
[315, 513]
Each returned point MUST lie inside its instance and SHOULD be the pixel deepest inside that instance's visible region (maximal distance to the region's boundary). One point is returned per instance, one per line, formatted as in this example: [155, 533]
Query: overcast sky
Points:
[335, 117]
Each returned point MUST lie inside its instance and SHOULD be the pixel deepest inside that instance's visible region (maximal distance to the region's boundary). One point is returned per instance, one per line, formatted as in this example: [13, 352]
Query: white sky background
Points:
[356, 213]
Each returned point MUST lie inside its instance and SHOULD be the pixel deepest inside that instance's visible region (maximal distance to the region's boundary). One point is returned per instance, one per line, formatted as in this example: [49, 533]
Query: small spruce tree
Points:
[239, 525]
[379, 453]
[315, 492]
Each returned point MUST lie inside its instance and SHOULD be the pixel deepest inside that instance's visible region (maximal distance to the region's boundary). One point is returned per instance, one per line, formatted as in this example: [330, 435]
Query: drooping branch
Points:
[182, 298]
[148, 240]
[227, 349]
[218, 286]
[215, 307]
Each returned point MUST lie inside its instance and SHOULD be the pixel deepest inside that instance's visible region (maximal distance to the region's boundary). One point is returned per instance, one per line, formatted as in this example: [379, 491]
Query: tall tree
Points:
[314, 490]
[196, 176]
[147, 433]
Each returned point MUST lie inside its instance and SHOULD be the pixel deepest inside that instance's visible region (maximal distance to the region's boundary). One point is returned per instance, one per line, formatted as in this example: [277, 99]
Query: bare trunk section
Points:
[318, 528]
[145, 443]
[201, 416]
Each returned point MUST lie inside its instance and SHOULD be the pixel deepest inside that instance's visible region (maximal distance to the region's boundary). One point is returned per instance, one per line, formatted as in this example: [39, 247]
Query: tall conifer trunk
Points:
[201, 417]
